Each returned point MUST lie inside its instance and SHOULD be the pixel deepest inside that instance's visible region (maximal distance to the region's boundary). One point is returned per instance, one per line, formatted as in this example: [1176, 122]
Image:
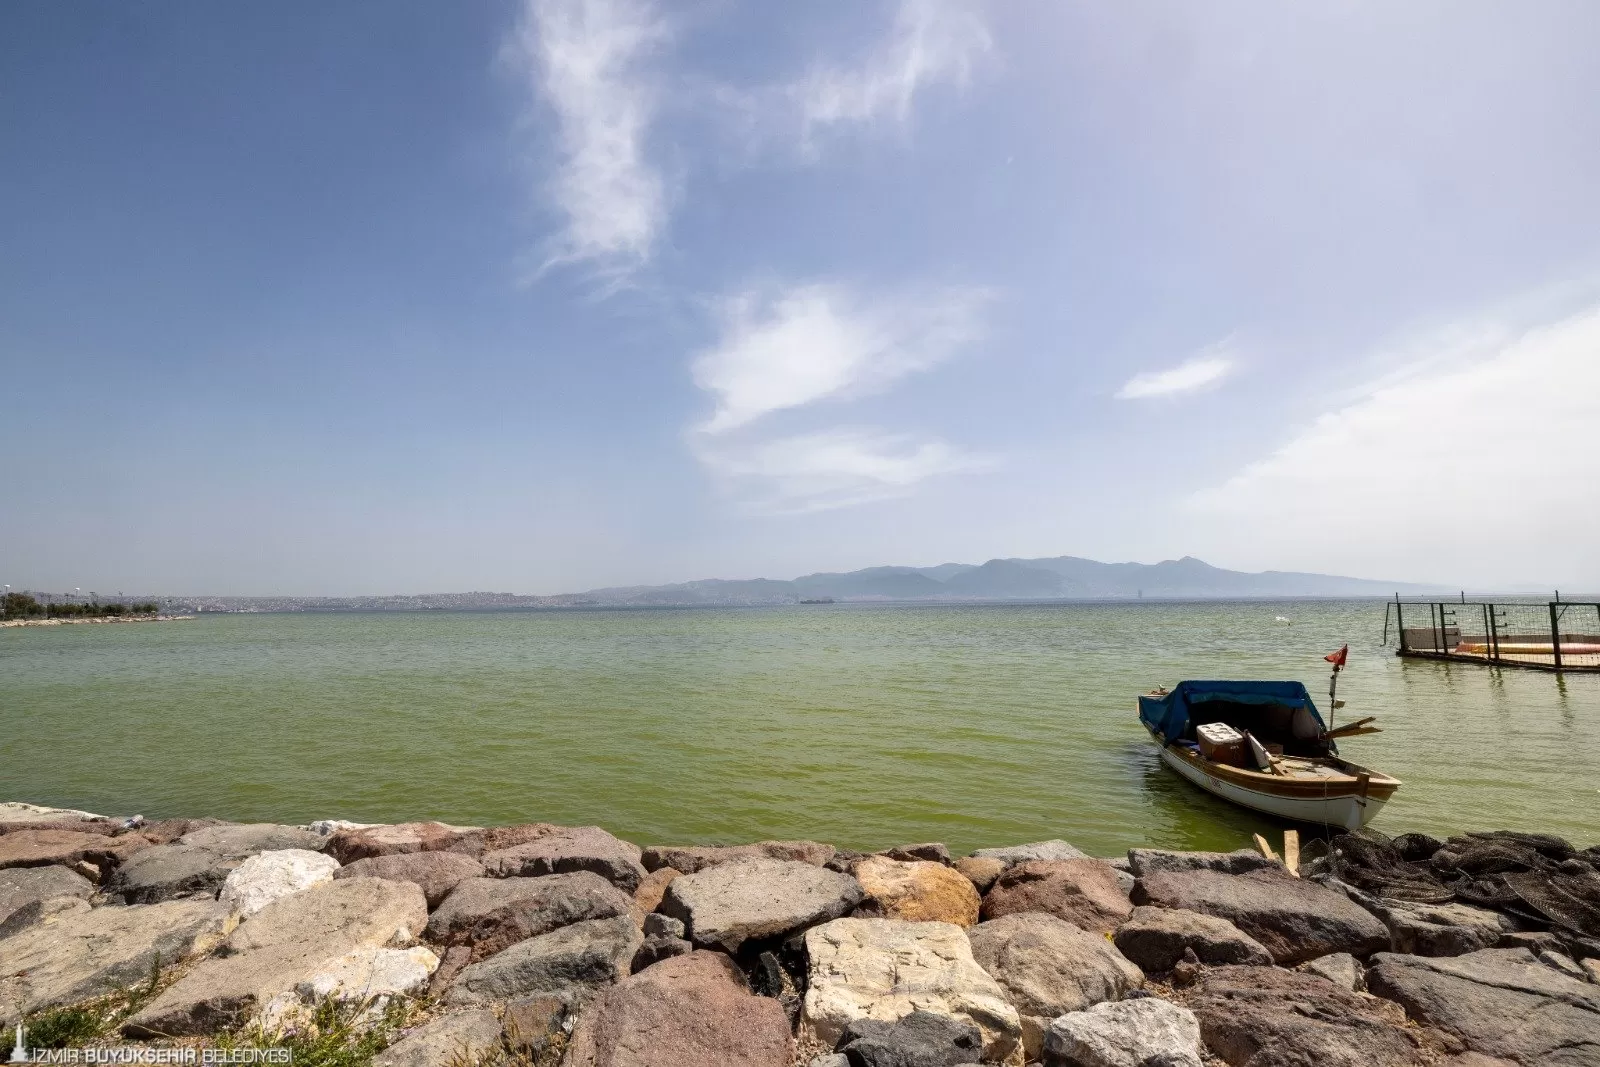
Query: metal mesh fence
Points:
[1557, 634]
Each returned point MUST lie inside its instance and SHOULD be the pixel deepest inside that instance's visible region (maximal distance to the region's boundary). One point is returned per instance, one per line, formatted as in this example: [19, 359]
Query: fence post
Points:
[1555, 633]
[1494, 634]
[1400, 622]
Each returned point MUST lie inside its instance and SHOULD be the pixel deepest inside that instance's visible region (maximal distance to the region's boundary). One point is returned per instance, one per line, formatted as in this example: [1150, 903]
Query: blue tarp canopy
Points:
[1169, 715]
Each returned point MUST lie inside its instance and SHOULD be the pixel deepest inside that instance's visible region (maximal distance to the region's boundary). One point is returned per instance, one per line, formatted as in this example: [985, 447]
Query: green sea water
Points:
[866, 726]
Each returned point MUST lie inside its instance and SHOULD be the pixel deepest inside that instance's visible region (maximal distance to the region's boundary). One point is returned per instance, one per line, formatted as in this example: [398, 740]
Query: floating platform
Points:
[1556, 635]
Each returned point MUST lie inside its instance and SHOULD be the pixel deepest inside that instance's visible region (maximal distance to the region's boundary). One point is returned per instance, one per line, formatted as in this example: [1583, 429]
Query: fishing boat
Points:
[1264, 746]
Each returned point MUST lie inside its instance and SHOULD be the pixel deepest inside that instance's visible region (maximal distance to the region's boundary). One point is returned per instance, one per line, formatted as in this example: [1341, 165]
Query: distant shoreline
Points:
[104, 618]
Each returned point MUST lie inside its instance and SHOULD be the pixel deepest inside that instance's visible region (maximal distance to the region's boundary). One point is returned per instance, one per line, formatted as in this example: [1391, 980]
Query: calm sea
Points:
[865, 726]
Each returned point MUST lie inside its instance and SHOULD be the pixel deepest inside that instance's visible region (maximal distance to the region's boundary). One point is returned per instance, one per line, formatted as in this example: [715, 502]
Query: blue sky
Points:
[540, 296]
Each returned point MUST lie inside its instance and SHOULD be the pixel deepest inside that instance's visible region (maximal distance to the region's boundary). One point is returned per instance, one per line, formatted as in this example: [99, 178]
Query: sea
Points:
[864, 725]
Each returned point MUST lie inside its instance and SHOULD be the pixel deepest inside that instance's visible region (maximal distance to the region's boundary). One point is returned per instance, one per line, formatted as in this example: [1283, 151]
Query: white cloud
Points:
[1478, 470]
[830, 469]
[809, 343]
[1206, 368]
[932, 41]
[588, 60]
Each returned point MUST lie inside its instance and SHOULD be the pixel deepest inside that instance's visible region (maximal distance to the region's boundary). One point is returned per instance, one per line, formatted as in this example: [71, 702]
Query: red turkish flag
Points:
[1338, 658]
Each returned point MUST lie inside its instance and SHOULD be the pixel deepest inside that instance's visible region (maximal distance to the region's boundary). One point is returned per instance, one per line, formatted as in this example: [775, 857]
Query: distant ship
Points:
[818, 600]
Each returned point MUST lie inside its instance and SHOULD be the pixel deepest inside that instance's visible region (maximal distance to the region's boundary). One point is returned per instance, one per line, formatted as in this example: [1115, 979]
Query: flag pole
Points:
[1338, 660]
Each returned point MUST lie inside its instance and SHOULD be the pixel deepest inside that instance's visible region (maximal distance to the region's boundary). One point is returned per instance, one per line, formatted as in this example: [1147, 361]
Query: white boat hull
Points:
[1349, 812]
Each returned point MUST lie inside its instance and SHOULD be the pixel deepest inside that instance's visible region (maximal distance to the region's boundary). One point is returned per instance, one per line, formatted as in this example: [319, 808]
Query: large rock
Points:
[368, 976]
[1340, 968]
[492, 914]
[1131, 1033]
[692, 1011]
[465, 1037]
[21, 886]
[1434, 929]
[1084, 892]
[567, 849]
[241, 840]
[918, 891]
[269, 876]
[43, 848]
[165, 872]
[85, 953]
[1143, 861]
[1497, 1002]
[689, 859]
[1048, 967]
[981, 871]
[1270, 1017]
[1011, 855]
[921, 1039]
[653, 887]
[885, 969]
[929, 851]
[365, 842]
[1296, 920]
[1155, 939]
[571, 962]
[435, 873]
[280, 946]
[757, 900]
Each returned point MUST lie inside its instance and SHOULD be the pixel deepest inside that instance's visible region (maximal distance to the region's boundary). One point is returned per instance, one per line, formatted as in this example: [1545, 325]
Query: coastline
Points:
[105, 618]
[540, 945]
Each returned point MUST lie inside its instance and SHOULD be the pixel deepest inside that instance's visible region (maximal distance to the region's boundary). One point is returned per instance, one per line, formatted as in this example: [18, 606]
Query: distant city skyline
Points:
[553, 295]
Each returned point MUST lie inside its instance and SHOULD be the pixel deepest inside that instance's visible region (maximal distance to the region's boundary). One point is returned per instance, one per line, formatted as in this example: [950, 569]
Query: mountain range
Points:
[1048, 578]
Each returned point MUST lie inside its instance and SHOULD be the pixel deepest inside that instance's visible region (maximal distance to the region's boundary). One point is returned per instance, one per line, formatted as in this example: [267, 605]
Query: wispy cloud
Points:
[932, 41]
[831, 468]
[781, 349]
[588, 61]
[795, 346]
[1206, 368]
[1473, 465]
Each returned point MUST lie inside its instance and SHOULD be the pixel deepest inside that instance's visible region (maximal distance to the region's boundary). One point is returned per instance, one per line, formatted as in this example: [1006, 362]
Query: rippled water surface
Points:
[861, 725]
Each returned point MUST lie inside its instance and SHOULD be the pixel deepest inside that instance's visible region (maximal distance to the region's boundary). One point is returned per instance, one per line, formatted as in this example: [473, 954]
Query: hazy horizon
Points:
[556, 295]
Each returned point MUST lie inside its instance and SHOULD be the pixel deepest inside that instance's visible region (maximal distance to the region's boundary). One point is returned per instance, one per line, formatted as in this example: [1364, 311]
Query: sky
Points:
[541, 295]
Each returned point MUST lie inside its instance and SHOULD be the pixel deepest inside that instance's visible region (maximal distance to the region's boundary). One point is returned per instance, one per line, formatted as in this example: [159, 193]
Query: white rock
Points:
[269, 876]
[325, 827]
[885, 969]
[1125, 1033]
[371, 972]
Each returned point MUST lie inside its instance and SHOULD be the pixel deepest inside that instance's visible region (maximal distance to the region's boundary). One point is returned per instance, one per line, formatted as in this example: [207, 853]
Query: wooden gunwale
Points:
[1378, 786]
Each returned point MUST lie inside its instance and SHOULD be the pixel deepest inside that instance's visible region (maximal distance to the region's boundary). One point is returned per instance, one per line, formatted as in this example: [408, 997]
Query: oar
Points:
[1351, 728]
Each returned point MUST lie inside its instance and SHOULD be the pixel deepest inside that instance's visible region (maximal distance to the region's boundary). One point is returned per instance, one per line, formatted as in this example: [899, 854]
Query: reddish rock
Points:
[41, 848]
[1084, 892]
[653, 886]
[569, 849]
[347, 846]
[690, 859]
[436, 872]
[1270, 1017]
[689, 1011]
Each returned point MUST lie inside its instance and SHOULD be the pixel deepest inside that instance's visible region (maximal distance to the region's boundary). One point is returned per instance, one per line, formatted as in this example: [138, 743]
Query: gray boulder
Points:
[164, 872]
[465, 1037]
[1497, 1002]
[1143, 861]
[920, 1039]
[571, 962]
[658, 925]
[435, 873]
[242, 840]
[22, 886]
[492, 914]
[1155, 939]
[1433, 929]
[757, 900]
[1149, 1032]
[89, 952]
[689, 859]
[1340, 968]
[1011, 855]
[1296, 920]
[1270, 1017]
[657, 948]
[568, 849]
[930, 851]
[278, 947]
[1048, 967]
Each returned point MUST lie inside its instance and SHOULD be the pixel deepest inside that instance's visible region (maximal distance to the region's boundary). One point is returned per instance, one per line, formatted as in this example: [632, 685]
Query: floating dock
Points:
[1555, 635]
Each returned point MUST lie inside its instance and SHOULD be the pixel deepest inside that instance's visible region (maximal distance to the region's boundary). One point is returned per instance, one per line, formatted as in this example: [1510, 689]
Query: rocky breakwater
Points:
[544, 945]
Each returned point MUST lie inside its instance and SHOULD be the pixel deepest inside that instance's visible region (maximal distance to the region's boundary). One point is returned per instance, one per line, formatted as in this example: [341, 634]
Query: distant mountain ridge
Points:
[1047, 578]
